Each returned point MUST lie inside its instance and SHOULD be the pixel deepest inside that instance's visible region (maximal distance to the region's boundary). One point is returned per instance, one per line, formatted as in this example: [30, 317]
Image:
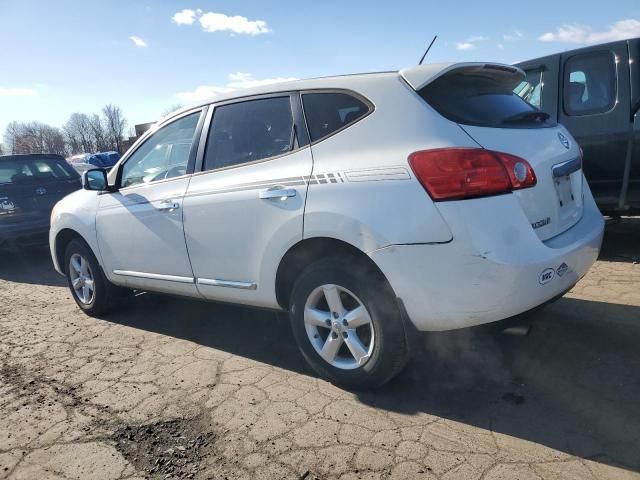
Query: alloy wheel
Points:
[339, 327]
[81, 277]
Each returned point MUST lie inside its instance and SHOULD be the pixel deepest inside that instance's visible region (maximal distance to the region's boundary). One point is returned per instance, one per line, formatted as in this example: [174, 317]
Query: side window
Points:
[530, 89]
[589, 83]
[164, 155]
[328, 112]
[249, 131]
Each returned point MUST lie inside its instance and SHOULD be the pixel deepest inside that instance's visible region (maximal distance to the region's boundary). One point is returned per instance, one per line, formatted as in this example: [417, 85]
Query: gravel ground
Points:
[170, 388]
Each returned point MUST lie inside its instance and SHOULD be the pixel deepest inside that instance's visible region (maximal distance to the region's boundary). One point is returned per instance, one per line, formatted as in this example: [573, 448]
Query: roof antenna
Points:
[428, 48]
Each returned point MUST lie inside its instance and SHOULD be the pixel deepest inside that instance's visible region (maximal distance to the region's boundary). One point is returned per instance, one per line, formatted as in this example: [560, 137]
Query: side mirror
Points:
[95, 179]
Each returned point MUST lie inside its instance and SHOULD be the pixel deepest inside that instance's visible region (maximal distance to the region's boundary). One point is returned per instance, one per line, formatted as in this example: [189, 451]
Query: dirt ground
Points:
[170, 388]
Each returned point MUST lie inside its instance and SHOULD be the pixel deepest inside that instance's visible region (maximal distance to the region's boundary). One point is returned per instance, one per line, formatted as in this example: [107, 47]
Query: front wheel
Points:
[347, 324]
[91, 290]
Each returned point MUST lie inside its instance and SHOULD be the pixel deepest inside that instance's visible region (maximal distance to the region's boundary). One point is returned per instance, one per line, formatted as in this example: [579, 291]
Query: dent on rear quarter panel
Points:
[378, 201]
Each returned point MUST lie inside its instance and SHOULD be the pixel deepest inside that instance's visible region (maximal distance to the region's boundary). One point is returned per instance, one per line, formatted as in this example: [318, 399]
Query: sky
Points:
[60, 57]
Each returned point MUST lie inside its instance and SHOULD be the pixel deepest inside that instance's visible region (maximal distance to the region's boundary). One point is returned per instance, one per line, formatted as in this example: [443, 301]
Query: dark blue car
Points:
[30, 185]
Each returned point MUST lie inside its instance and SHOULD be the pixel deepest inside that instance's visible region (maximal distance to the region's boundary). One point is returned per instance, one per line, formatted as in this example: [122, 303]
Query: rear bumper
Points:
[495, 268]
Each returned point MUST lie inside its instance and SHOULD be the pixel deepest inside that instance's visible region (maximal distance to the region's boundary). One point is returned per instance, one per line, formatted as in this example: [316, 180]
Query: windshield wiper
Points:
[531, 115]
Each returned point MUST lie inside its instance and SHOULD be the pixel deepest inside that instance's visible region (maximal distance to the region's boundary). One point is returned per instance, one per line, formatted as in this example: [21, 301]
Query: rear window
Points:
[35, 169]
[328, 112]
[482, 100]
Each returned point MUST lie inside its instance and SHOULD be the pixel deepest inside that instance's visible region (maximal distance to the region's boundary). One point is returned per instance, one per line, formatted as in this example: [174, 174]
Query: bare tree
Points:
[1, 150]
[115, 124]
[99, 132]
[34, 137]
[78, 130]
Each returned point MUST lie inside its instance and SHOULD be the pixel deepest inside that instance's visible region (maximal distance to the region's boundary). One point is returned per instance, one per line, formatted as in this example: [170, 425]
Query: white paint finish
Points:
[419, 76]
[373, 214]
[542, 148]
[491, 270]
[137, 233]
[239, 236]
[454, 264]
[76, 212]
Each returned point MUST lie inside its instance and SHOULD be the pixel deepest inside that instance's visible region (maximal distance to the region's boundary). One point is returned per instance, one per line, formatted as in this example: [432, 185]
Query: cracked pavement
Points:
[173, 388]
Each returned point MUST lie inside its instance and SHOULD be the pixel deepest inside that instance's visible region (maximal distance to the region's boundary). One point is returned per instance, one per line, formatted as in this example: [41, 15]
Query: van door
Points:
[633, 191]
[594, 106]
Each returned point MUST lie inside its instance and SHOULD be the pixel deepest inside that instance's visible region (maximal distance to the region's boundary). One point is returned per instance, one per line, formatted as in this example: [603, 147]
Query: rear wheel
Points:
[89, 287]
[347, 324]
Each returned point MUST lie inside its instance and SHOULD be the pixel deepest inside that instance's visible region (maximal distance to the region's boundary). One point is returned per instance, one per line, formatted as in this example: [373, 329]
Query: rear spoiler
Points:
[422, 75]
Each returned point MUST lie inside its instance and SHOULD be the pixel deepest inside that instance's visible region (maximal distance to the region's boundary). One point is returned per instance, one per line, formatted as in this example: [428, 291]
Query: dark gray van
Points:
[595, 93]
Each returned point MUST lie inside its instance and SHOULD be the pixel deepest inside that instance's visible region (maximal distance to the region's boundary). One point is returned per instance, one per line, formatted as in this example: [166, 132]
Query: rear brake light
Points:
[456, 173]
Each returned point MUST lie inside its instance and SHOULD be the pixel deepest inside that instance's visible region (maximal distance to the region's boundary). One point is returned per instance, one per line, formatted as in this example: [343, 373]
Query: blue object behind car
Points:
[30, 185]
[104, 159]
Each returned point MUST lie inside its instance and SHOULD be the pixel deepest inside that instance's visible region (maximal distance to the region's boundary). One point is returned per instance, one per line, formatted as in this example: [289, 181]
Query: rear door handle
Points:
[168, 205]
[277, 193]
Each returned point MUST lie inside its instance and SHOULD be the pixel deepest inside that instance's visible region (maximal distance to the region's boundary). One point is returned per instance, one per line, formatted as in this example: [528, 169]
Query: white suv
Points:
[366, 206]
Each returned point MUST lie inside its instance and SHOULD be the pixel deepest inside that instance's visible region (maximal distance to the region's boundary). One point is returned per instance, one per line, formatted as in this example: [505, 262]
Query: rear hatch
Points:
[480, 98]
[30, 186]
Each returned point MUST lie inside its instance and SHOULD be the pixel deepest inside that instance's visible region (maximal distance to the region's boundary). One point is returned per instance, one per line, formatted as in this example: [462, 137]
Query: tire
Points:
[378, 328]
[94, 301]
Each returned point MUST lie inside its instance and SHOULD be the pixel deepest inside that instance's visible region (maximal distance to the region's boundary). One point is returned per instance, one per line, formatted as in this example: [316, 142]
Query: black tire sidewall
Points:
[100, 301]
[389, 352]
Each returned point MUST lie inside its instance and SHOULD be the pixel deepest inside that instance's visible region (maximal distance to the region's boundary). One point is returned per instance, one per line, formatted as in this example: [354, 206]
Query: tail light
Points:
[457, 173]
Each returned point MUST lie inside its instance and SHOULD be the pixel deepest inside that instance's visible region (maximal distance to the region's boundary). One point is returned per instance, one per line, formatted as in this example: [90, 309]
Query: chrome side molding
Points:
[214, 282]
[154, 276]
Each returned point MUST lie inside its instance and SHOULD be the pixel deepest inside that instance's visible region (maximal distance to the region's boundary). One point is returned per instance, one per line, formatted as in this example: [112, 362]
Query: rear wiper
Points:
[531, 115]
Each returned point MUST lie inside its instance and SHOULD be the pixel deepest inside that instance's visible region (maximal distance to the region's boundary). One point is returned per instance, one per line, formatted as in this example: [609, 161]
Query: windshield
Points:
[16, 171]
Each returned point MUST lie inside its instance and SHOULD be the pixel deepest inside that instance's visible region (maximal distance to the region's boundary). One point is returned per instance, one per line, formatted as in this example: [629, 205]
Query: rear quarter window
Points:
[482, 100]
[330, 112]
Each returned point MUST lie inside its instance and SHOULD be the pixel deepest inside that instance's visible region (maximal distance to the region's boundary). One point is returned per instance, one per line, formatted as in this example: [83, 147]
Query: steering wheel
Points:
[176, 171]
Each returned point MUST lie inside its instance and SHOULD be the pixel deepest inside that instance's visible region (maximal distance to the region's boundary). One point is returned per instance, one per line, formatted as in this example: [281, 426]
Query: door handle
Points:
[277, 193]
[168, 205]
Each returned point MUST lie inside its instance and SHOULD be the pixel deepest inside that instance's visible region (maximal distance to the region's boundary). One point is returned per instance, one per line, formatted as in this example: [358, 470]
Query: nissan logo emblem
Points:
[564, 140]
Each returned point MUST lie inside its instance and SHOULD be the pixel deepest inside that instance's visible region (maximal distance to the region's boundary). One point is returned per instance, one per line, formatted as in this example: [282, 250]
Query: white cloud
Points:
[184, 17]
[219, 22]
[500, 46]
[236, 81]
[17, 92]
[470, 43]
[137, 41]
[569, 33]
[465, 46]
[514, 35]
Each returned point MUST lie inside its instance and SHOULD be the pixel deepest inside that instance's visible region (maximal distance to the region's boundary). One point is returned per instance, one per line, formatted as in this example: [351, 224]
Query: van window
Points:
[530, 89]
[249, 131]
[589, 83]
[328, 112]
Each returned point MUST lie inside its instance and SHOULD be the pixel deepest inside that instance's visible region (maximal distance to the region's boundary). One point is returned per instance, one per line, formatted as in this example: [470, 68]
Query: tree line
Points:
[82, 133]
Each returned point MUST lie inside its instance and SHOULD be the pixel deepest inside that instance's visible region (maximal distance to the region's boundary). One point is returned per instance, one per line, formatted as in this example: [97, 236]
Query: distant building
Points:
[139, 129]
